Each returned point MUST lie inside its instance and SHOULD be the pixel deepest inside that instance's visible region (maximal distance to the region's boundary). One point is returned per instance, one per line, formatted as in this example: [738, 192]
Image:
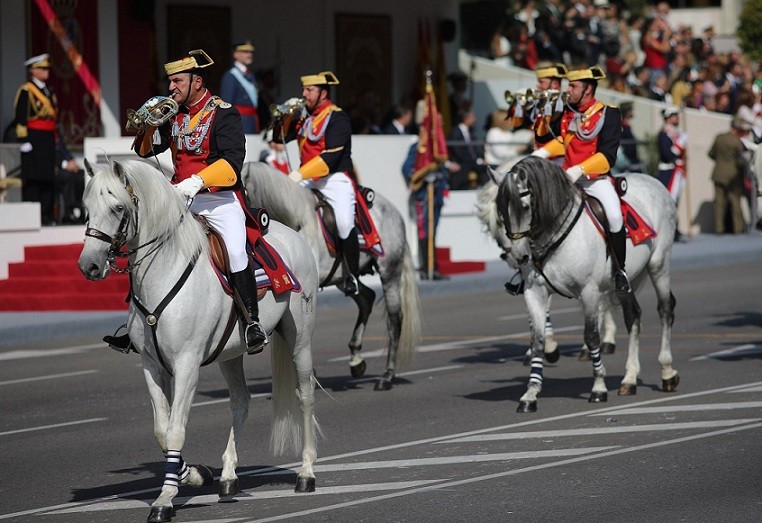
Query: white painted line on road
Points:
[503, 474]
[256, 495]
[56, 426]
[410, 373]
[745, 391]
[601, 430]
[458, 345]
[447, 460]
[227, 400]
[735, 352]
[552, 313]
[48, 377]
[42, 353]
[684, 408]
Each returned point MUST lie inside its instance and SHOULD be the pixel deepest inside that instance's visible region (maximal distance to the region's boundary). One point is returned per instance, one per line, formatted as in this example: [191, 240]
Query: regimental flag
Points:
[432, 148]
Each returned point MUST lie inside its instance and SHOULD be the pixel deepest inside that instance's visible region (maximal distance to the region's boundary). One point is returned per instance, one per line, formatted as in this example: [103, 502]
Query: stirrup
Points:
[621, 282]
[120, 343]
[351, 285]
[256, 338]
[515, 288]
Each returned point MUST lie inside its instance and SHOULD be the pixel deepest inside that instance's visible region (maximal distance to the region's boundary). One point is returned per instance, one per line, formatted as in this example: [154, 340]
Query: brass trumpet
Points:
[154, 112]
[291, 107]
[529, 99]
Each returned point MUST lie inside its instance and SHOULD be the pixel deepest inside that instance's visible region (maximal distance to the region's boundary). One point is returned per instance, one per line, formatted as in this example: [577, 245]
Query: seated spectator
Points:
[502, 143]
[399, 119]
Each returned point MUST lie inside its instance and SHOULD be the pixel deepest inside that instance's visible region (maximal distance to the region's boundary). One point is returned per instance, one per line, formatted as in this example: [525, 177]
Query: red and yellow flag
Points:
[432, 148]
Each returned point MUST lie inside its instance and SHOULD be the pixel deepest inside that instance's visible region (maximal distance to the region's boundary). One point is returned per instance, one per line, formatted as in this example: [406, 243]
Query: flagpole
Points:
[430, 236]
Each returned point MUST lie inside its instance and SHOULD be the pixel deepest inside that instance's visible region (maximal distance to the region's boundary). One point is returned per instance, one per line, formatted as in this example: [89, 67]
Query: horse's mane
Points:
[284, 200]
[486, 211]
[163, 213]
[551, 192]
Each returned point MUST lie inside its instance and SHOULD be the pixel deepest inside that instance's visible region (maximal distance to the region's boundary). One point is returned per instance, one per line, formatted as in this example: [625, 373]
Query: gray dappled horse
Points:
[537, 219]
[294, 205]
[194, 321]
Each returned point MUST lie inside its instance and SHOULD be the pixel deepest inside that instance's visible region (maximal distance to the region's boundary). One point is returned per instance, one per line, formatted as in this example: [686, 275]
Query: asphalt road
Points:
[445, 444]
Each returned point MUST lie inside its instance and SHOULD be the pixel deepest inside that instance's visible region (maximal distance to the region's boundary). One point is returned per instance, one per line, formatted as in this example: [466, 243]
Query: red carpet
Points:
[448, 267]
[49, 280]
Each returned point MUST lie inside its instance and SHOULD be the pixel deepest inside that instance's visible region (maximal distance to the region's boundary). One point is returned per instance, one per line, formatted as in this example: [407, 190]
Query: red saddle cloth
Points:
[637, 228]
[367, 234]
[269, 268]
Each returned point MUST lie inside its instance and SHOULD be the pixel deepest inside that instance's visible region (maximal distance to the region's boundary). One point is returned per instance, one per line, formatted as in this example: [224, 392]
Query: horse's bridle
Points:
[119, 239]
[524, 191]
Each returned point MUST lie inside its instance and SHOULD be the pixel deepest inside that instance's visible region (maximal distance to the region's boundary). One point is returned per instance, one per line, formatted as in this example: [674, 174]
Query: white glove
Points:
[431, 178]
[682, 140]
[190, 186]
[296, 176]
[574, 172]
[541, 152]
[26, 147]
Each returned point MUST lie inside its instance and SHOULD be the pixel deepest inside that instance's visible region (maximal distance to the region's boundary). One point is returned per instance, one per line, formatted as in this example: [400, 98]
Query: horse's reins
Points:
[538, 261]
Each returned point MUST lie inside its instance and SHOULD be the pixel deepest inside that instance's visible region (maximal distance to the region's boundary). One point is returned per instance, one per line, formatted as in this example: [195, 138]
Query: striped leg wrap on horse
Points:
[548, 324]
[535, 375]
[595, 355]
[175, 470]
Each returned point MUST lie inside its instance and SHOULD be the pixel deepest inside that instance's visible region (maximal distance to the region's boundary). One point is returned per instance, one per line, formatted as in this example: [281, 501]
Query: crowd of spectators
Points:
[643, 53]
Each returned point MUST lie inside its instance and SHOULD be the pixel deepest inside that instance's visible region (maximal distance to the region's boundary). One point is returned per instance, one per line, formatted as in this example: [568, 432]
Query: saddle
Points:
[270, 271]
[367, 234]
[636, 227]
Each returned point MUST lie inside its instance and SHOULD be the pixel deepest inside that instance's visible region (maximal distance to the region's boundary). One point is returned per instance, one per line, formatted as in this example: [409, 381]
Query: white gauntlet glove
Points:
[541, 152]
[190, 186]
[26, 147]
[296, 176]
[575, 172]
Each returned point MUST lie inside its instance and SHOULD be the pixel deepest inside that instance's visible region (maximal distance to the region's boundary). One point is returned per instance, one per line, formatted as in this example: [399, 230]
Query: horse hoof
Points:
[608, 348]
[552, 357]
[229, 487]
[161, 514]
[598, 397]
[626, 389]
[358, 370]
[305, 484]
[584, 355]
[206, 475]
[383, 384]
[670, 385]
[527, 406]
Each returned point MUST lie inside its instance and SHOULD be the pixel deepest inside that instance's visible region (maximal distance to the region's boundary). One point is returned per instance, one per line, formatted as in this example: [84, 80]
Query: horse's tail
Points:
[410, 334]
[286, 432]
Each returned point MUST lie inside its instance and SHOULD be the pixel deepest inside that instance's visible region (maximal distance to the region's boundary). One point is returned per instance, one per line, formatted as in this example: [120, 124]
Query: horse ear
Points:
[89, 168]
[495, 176]
[119, 170]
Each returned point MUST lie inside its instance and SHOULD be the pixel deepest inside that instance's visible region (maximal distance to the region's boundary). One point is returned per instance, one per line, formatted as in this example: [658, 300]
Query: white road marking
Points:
[56, 426]
[734, 352]
[410, 373]
[745, 391]
[503, 474]
[213, 499]
[227, 399]
[413, 443]
[448, 460]
[602, 430]
[42, 353]
[48, 377]
[552, 313]
[458, 345]
[685, 408]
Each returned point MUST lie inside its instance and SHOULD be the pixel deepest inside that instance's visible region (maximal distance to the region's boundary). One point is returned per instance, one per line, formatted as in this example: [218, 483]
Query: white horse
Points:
[538, 219]
[187, 320]
[294, 205]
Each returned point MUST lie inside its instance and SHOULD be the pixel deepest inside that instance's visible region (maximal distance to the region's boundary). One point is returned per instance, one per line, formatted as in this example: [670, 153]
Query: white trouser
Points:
[224, 214]
[339, 191]
[603, 189]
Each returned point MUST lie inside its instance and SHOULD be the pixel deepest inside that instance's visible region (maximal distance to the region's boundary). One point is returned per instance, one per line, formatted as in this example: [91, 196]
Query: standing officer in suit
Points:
[400, 118]
[36, 110]
[238, 86]
[469, 157]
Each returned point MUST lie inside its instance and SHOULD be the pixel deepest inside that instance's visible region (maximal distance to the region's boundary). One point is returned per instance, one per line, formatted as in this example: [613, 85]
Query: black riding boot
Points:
[619, 247]
[350, 246]
[245, 286]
